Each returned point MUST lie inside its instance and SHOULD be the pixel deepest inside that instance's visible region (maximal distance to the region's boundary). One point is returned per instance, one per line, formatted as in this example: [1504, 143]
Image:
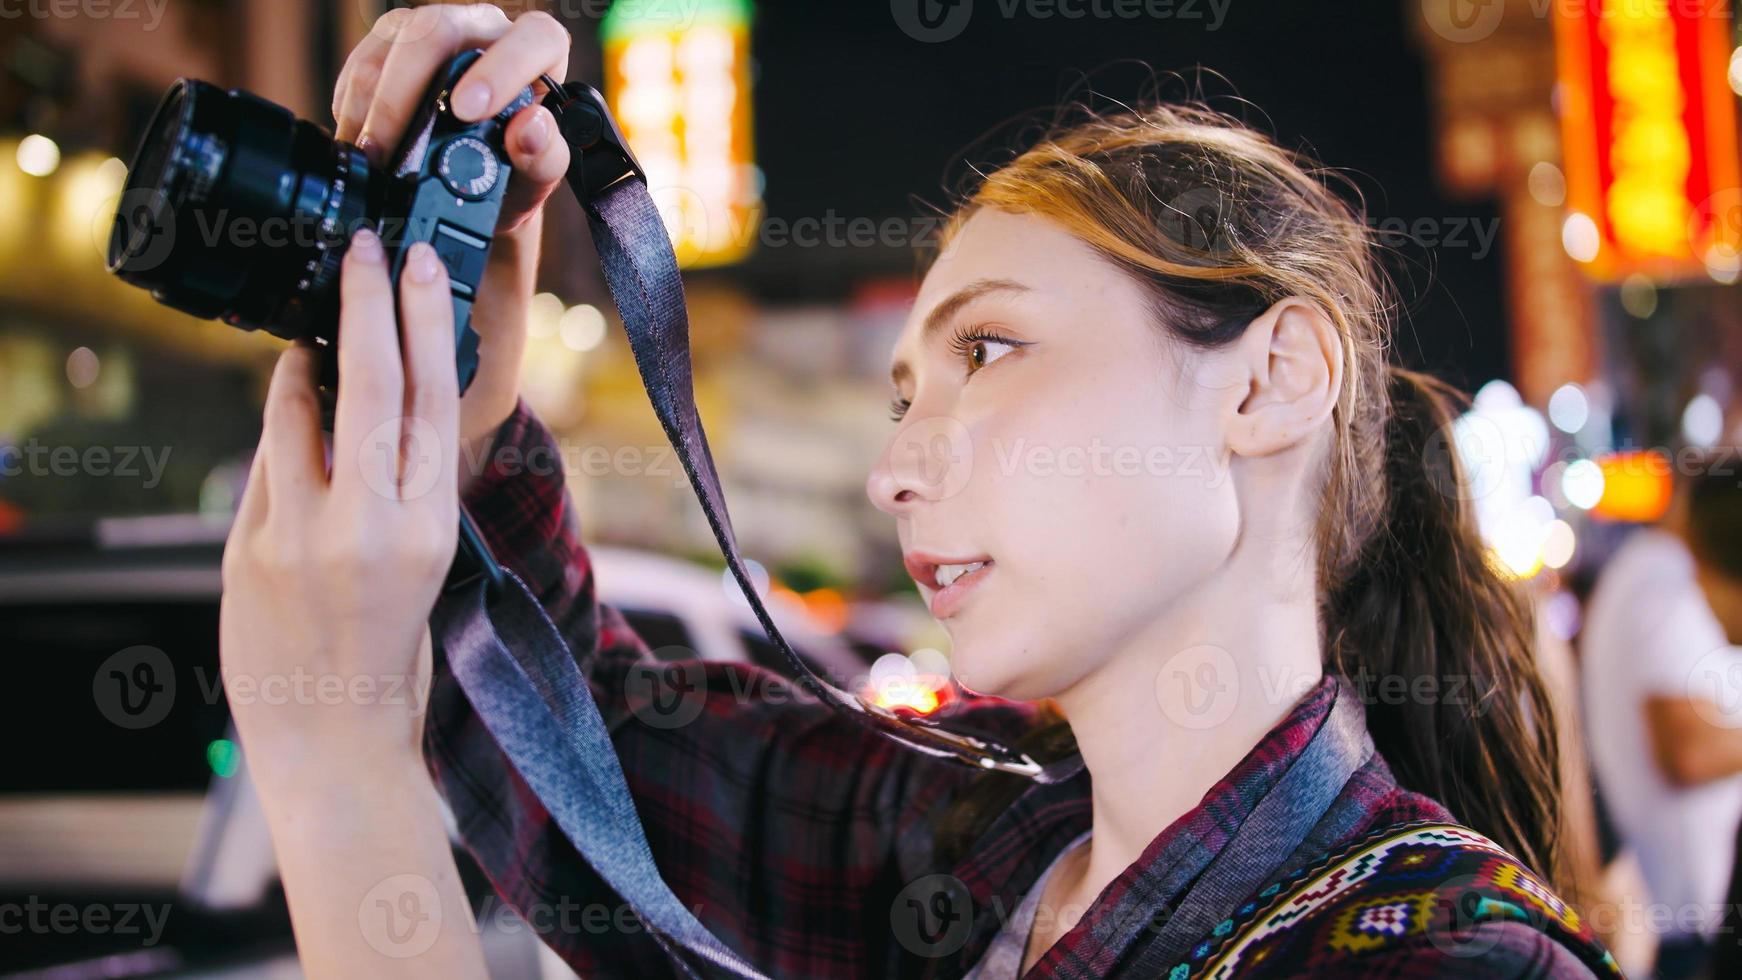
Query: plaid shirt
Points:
[804, 841]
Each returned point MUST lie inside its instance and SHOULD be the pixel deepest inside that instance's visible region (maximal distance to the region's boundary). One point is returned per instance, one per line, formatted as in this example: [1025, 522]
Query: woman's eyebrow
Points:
[944, 312]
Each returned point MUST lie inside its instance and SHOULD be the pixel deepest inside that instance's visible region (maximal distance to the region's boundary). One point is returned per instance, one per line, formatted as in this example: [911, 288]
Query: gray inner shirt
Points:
[1003, 959]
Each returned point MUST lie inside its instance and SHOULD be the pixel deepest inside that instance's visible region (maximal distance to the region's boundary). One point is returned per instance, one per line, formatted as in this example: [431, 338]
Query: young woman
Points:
[1257, 598]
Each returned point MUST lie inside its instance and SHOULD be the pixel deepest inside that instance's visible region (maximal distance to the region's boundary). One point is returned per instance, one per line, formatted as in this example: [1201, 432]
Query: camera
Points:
[237, 210]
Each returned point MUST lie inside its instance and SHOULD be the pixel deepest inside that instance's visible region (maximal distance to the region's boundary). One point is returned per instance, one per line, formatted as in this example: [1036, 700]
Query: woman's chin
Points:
[994, 680]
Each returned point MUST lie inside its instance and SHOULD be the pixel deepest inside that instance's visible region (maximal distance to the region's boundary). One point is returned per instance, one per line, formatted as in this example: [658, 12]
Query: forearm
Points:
[367, 869]
[499, 317]
[1689, 747]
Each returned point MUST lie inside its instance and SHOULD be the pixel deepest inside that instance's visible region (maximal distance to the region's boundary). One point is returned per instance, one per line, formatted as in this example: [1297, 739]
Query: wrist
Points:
[296, 764]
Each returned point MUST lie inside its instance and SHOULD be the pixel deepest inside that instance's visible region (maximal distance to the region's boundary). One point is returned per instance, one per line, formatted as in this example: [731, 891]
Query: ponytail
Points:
[1473, 727]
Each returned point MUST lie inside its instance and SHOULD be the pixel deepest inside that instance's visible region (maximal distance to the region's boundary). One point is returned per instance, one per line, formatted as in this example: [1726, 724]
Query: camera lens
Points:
[236, 209]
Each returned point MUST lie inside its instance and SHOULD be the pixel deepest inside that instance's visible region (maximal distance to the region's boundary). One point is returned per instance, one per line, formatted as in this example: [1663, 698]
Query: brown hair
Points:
[1217, 222]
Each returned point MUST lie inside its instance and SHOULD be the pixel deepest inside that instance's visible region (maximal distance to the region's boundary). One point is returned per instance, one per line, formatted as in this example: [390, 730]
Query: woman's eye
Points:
[980, 348]
[978, 353]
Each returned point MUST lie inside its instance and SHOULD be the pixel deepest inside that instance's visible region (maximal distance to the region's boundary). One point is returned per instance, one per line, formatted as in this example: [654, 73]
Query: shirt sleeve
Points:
[1682, 640]
[787, 828]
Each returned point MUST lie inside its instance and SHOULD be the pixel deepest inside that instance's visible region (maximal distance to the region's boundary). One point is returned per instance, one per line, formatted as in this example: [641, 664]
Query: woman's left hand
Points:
[329, 577]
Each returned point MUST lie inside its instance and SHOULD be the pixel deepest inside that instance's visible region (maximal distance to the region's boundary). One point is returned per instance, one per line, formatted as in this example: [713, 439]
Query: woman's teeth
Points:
[947, 574]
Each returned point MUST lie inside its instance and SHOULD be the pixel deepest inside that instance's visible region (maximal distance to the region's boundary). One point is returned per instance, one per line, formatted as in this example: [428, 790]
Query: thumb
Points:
[540, 158]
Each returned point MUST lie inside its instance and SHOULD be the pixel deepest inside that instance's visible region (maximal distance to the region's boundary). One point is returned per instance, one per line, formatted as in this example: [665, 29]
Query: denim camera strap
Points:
[517, 672]
[1267, 842]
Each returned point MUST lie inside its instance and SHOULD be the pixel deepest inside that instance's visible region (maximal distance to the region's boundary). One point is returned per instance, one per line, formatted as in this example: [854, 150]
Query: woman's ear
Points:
[1293, 359]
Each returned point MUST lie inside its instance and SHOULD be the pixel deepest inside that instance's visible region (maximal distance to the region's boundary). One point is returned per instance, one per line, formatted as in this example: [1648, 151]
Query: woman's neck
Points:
[1178, 707]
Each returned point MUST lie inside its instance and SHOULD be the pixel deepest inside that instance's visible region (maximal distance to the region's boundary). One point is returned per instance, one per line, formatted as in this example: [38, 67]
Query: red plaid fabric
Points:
[805, 842]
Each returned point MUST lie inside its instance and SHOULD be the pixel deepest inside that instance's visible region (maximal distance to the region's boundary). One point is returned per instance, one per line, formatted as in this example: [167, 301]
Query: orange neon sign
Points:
[1649, 138]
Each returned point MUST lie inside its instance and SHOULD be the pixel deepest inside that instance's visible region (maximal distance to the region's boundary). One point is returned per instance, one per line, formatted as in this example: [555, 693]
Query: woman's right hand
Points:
[377, 95]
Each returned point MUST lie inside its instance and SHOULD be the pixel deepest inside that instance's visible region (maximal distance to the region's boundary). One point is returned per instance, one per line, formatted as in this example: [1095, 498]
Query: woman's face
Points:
[1055, 432]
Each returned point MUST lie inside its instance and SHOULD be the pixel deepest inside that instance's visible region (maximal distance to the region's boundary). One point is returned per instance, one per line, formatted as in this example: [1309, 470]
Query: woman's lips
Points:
[945, 601]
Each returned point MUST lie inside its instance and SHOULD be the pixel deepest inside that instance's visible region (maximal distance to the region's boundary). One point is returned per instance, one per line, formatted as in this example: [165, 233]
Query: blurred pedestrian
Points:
[1664, 724]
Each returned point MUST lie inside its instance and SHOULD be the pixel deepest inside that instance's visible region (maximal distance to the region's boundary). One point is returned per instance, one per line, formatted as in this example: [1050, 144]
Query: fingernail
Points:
[422, 263]
[471, 100]
[371, 149]
[366, 246]
[535, 135]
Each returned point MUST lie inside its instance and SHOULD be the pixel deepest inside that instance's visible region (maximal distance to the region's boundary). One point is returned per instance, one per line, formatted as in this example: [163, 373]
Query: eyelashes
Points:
[962, 345]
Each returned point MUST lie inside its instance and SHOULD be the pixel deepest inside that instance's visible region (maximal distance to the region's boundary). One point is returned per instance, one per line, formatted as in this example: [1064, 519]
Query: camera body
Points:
[235, 209]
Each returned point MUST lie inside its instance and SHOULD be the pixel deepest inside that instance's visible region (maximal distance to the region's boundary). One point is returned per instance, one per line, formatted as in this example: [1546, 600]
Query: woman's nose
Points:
[927, 459]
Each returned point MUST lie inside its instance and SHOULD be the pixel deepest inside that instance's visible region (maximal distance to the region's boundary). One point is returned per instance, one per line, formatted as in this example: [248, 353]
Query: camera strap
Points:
[512, 662]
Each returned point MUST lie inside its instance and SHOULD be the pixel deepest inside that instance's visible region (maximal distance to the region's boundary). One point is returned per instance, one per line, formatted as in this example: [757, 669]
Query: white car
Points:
[119, 815]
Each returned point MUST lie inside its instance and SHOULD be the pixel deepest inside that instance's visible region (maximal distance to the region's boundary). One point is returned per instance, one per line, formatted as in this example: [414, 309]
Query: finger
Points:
[535, 45]
[428, 37]
[291, 442]
[432, 391]
[355, 91]
[540, 160]
[356, 83]
[251, 512]
[371, 381]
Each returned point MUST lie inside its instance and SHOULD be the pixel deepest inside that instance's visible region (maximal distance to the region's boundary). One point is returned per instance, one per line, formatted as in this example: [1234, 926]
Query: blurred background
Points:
[1556, 184]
